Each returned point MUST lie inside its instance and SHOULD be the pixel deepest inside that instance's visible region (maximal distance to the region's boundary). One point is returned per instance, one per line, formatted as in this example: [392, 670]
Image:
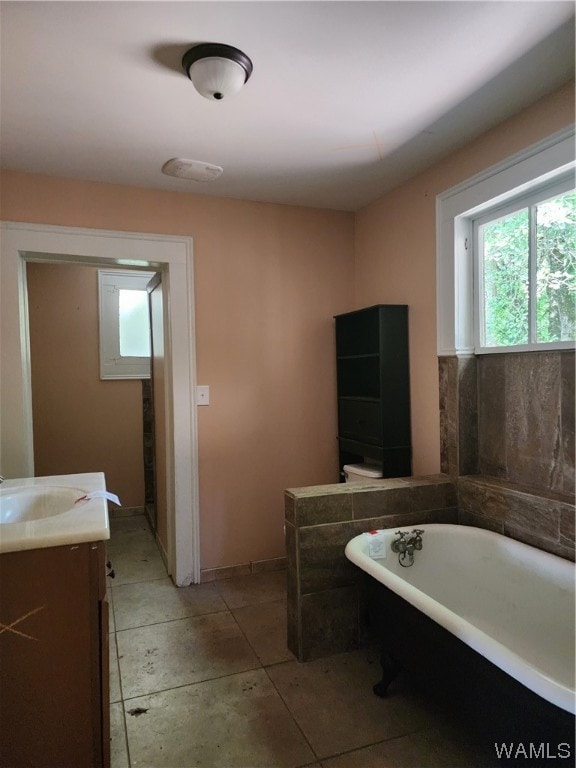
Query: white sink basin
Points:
[53, 511]
[22, 504]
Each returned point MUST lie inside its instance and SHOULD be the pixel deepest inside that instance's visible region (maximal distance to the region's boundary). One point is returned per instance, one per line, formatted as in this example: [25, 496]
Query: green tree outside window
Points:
[529, 274]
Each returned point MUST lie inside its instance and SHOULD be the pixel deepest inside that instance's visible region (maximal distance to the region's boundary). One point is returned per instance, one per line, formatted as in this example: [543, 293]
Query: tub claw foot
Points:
[390, 671]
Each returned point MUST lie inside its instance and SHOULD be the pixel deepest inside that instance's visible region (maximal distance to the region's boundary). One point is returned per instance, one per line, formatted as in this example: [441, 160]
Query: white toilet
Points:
[361, 473]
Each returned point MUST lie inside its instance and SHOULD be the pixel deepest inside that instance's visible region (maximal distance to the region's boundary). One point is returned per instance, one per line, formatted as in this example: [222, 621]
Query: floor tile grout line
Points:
[129, 759]
[118, 667]
[170, 621]
[296, 723]
[250, 605]
[315, 764]
[126, 735]
[374, 743]
[125, 727]
[264, 602]
[208, 679]
[245, 636]
[195, 682]
[142, 581]
[217, 582]
[277, 663]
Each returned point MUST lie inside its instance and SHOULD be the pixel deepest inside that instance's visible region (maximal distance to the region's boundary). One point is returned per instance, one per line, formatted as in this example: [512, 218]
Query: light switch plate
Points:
[203, 395]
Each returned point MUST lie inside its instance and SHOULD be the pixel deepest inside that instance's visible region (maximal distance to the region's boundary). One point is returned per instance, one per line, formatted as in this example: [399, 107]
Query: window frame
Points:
[543, 162]
[112, 364]
[537, 194]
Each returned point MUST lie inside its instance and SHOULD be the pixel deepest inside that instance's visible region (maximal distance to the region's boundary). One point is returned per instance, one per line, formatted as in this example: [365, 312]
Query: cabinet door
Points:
[103, 706]
[101, 654]
[46, 658]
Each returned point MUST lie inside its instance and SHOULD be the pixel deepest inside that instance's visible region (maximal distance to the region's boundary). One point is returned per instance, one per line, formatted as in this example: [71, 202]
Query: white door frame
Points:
[173, 256]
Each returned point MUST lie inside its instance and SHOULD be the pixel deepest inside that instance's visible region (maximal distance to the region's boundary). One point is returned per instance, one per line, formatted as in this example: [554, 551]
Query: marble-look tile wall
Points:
[148, 436]
[324, 588]
[526, 419]
[510, 417]
[541, 519]
[458, 415]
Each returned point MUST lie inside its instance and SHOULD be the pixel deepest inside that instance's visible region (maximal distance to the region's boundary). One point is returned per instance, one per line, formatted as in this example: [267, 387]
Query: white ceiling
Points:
[347, 99]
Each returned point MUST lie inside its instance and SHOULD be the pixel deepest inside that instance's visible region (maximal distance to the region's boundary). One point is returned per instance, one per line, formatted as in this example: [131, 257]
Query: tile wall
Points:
[324, 588]
[458, 415]
[507, 436]
[541, 519]
[148, 437]
[526, 419]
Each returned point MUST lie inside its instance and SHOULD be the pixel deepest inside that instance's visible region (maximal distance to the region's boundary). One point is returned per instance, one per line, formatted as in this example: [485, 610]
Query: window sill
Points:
[553, 346]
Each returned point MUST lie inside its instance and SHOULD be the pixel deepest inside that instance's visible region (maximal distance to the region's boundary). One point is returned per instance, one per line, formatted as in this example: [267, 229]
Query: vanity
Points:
[54, 700]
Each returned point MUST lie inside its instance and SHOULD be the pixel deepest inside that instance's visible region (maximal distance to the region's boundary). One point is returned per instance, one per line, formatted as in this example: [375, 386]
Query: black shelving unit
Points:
[374, 388]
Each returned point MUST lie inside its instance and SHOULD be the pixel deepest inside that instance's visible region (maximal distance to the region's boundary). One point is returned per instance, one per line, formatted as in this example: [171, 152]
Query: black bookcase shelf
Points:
[374, 388]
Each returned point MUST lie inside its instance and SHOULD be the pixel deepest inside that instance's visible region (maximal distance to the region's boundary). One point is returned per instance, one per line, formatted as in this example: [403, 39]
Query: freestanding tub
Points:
[511, 603]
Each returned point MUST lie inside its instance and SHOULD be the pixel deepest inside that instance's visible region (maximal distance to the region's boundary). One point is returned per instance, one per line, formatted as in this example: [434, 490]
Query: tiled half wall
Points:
[324, 588]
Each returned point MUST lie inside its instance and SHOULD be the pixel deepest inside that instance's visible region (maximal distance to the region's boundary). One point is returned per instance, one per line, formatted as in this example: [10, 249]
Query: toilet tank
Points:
[361, 473]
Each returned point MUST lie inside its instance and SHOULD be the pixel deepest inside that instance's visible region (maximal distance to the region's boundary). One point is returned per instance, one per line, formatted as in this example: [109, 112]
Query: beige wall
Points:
[396, 244]
[268, 279]
[81, 423]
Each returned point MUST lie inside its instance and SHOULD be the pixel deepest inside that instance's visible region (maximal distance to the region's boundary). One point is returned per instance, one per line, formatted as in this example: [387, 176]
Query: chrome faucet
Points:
[406, 544]
[2, 479]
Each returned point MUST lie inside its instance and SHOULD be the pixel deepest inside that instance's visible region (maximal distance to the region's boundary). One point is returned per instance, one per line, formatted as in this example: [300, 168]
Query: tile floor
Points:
[201, 676]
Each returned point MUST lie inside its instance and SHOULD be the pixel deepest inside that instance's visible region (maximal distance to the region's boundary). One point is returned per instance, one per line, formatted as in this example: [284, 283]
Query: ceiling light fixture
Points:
[216, 70]
[193, 170]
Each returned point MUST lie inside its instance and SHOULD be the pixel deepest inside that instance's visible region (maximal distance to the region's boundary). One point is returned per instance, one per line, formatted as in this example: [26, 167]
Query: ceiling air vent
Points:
[193, 170]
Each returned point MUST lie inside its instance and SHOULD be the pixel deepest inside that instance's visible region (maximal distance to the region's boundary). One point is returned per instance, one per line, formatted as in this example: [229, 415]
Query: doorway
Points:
[173, 257]
[90, 367]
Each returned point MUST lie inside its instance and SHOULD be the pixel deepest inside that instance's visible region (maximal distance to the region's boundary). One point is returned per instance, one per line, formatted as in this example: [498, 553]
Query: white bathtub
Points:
[510, 602]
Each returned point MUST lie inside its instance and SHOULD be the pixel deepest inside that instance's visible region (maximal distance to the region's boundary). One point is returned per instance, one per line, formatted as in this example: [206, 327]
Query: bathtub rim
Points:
[507, 660]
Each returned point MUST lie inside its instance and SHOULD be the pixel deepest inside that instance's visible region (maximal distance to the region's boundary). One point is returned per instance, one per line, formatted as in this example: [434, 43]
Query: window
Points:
[499, 191]
[124, 324]
[525, 277]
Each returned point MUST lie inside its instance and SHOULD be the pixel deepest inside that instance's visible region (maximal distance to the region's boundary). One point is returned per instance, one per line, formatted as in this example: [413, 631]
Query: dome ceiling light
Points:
[217, 71]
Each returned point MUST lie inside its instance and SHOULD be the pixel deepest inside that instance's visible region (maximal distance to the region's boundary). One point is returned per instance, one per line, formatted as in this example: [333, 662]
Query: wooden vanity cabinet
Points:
[54, 675]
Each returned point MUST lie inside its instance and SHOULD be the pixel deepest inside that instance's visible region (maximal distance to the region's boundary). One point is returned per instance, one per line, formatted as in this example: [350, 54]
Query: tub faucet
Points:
[2, 479]
[405, 545]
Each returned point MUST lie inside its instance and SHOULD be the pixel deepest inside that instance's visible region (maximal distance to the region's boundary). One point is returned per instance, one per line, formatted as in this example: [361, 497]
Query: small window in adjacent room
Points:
[525, 275]
[124, 324]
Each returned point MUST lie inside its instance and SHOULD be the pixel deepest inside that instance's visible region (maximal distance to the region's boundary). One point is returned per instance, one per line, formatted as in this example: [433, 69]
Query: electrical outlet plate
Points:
[203, 395]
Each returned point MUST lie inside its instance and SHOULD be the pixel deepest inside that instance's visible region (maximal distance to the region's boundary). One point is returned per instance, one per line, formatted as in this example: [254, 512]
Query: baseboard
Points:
[151, 516]
[244, 569]
[125, 512]
[162, 551]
